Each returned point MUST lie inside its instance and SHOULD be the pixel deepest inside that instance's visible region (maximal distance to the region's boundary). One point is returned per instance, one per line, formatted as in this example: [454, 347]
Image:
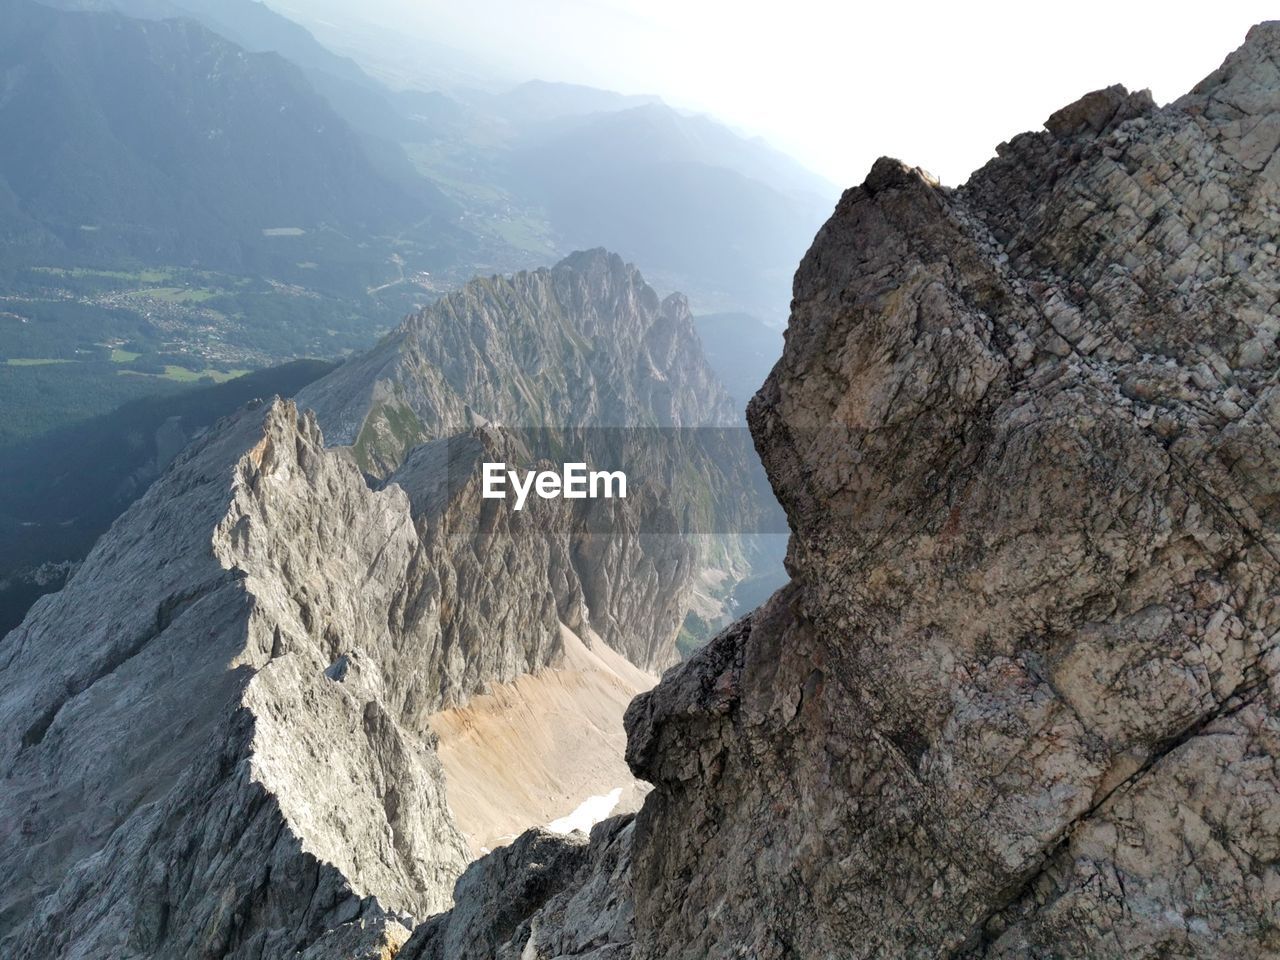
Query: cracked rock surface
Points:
[217, 740]
[1020, 698]
[1019, 701]
[582, 361]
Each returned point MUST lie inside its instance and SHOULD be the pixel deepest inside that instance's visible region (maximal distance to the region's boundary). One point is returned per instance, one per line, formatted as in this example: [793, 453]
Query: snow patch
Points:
[589, 812]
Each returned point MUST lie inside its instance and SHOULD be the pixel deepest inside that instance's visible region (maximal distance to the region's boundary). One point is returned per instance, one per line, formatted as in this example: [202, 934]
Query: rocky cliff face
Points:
[217, 737]
[585, 344]
[175, 716]
[1020, 699]
[582, 361]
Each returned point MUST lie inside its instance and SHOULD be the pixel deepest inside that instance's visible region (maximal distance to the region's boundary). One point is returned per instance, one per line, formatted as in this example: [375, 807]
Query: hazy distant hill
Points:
[538, 101]
[705, 210]
[163, 141]
[542, 168]
[532, 172]
[741, 349]
[194, 185]
[623, 129]
[247, 23]
[360, 100]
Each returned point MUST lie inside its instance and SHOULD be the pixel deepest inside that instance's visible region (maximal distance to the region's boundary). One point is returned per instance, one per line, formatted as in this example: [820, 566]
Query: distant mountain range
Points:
[163, 142]
[741, 350]
[704, 209]
[146, 136]
[195, 186]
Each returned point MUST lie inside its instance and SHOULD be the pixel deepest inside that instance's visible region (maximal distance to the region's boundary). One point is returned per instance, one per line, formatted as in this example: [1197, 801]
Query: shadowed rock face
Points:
[1020, 697]
[541, 896]
[216, 741]
[575, 360]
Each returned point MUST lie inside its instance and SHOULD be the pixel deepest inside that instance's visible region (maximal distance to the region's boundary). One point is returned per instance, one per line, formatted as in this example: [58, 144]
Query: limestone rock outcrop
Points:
[1021, 698]
[582, 361]
[219, 740]
[584, 344]
[541, 896]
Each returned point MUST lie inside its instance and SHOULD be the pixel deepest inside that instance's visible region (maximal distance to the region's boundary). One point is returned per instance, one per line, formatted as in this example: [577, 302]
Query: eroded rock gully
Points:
[1020, 697]
[220, 739]
[217, 739]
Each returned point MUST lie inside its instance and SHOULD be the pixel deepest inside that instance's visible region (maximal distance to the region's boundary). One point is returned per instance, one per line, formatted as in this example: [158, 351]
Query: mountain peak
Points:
[595, 259]
[1024, 434]
[583, 344]
[1250, 69]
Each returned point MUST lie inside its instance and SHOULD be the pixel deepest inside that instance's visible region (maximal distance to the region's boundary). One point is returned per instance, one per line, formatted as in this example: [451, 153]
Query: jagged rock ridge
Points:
[579, 361]
[584, 344]
[1020, 699]
[215, 766]
[218, 737]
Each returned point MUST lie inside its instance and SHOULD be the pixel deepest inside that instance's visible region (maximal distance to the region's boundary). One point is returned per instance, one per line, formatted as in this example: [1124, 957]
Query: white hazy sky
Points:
[839, 84]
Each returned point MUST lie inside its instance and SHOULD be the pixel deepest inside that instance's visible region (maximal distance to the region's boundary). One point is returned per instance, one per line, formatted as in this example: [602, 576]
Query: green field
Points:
[171, 371]
[183, 375]
[157, 275]
[178, 294]
[86, 339]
